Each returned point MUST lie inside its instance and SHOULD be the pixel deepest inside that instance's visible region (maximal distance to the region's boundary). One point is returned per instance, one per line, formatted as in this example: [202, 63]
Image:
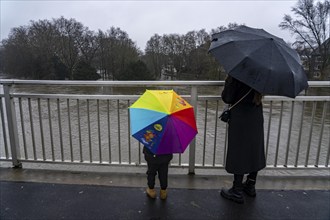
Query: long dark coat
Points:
[245, 130]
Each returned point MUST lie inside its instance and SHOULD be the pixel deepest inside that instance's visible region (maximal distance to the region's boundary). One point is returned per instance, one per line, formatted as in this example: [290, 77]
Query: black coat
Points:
[245, 130]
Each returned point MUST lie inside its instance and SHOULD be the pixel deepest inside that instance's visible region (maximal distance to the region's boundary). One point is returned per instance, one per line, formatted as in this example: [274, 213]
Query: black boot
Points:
[235, 194]
[249, 187]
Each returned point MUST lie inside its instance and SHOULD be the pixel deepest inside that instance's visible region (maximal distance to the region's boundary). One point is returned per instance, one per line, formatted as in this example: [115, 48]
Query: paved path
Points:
[49, 201]
[36, 194]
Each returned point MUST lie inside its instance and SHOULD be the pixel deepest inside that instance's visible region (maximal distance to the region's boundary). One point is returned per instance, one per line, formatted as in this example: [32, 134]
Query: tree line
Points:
[64, 48]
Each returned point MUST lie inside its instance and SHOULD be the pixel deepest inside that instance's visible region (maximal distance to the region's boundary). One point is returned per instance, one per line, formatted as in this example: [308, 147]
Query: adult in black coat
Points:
[245, 153]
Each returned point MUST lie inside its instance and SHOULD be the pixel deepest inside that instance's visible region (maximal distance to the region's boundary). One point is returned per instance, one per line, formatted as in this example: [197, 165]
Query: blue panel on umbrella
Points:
[151, 135]
[141, 118]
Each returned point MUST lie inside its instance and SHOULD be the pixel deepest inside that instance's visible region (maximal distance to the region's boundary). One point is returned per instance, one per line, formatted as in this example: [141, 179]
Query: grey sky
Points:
[142, 19]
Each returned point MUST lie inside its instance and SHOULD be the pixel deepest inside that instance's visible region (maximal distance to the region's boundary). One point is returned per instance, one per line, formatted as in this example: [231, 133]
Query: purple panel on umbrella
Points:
[176, 138]
[185, 132]
[170, 142]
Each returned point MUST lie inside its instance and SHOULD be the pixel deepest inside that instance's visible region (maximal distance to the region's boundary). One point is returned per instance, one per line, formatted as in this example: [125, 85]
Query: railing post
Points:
[12, 126]
[192, 147]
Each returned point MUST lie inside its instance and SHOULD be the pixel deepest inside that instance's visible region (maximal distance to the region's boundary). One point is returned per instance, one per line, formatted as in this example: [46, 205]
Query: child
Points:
[157, 164]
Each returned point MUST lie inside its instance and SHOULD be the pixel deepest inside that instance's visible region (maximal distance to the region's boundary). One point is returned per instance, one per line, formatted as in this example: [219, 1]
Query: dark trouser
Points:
[162, 170]
[158, 164]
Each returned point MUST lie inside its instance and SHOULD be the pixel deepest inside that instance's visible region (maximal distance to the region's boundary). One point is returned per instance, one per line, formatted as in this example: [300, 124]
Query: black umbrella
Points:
[261, 60]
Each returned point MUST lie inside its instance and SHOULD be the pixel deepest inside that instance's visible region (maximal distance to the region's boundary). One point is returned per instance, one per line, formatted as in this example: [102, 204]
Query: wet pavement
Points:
[31, 200]
[51, 194]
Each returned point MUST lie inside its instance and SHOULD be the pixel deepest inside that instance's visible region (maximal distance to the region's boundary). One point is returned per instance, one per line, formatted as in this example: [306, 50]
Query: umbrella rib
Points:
[246, 56]
[178, 138]
[281, 50]
[293, 56]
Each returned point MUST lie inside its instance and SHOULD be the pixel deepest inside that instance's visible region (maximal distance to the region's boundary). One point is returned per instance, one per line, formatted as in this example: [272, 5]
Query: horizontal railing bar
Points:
[96, 163]
[134, 97]
[298, 98]
[76, 162]
[174, 165]
[268, 167]
[276, 98]
[291, 167]
[113, 83]
[82, 97]
[319, 83]
[134, 83]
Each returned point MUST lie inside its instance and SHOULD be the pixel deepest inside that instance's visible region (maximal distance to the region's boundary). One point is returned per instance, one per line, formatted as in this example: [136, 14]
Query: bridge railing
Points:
[92, 128]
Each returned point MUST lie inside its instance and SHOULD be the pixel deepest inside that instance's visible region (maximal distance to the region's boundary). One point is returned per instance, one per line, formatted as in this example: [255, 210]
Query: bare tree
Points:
[42, 41]
[154, 56]
[311, 29]
[17, 54]
[69, 36]
[223, 28]
[182, 56]
[115, 51]
[88, 46]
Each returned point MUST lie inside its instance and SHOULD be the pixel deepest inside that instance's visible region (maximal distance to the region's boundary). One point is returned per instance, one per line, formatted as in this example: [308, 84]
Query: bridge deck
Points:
[45, 194]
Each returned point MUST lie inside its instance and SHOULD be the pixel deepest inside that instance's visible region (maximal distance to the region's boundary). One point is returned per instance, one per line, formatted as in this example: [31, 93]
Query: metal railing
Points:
[56, 126]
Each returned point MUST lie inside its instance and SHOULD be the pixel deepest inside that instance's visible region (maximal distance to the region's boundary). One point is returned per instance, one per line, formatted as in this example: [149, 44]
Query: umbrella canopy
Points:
[163, 121]
[261, 60]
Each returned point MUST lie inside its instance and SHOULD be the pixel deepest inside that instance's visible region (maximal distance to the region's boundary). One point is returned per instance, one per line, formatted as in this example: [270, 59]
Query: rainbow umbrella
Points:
[163, 121]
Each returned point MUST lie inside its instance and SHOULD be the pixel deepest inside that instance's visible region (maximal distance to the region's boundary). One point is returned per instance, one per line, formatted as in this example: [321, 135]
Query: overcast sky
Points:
[142, 19]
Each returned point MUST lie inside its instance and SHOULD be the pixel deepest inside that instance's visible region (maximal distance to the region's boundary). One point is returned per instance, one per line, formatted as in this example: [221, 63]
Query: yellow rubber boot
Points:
[163, 194]
[151, 193]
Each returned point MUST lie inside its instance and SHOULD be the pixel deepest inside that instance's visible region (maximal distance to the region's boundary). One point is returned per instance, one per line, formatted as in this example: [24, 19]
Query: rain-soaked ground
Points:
[45, 194]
